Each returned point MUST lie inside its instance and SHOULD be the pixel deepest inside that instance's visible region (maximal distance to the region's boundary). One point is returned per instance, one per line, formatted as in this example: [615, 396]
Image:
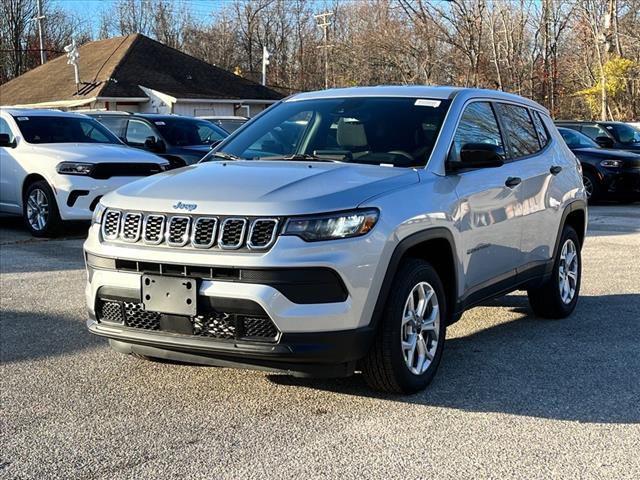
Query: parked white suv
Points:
[342, 230]
[56, 166]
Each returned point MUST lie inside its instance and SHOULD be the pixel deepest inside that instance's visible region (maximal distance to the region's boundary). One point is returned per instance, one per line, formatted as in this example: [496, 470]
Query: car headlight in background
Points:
[611, 163]
[98, 213]
[333, 226]
[75, 168]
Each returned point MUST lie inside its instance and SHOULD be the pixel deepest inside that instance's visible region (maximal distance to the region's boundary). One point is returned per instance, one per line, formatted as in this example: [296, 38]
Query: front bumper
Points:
[319, 332]
[623, 182]
[77, 196]
[330, 354]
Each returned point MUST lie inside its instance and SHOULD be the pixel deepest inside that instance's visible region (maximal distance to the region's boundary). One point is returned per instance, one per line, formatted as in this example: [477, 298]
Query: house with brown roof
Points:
[137, 74]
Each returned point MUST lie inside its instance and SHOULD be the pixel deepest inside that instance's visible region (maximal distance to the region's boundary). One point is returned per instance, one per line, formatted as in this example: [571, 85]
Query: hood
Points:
[261, 187]
[629, 158]
[95, 153]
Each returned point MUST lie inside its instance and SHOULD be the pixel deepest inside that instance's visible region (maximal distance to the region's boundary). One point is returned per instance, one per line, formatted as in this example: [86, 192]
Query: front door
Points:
[488, 216]
[8, 172]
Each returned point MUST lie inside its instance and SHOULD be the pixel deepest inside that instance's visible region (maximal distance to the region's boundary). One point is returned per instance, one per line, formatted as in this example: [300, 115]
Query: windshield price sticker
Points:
[423, 102]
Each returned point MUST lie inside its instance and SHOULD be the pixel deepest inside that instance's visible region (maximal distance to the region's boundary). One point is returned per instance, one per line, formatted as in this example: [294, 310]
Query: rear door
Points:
[539, 166]
[488, 210]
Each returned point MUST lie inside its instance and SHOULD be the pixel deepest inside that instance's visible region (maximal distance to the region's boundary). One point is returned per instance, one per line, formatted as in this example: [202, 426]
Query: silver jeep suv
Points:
[342, 231]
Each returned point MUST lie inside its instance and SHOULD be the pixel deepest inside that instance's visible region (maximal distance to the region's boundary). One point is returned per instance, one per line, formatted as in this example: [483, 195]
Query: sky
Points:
[90, 10]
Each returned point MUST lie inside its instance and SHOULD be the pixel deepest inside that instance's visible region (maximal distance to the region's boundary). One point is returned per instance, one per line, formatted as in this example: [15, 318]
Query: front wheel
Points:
[558, 296]
[408, 346]
[40, 210]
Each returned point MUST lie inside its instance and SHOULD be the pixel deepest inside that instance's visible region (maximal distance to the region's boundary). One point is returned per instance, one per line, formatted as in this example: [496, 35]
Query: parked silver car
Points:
[342, 231]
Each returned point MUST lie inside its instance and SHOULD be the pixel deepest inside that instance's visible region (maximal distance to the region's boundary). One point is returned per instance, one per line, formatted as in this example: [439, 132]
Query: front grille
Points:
[258, 327]
[263, 232]
[111, 224]
[153, 229]
[212, 324]
[215, 325]
[137, 317]
[125, 169]
[178, 231]
[201, 232]
[232, 233]
[110, 312]
[204, 232]
[131, 225]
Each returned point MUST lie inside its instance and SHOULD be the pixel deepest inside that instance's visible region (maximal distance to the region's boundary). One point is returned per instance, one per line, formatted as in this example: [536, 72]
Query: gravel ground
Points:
[515, 397]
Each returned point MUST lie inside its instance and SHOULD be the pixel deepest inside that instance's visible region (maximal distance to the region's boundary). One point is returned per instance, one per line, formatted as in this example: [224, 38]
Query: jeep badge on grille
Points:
[190, 207]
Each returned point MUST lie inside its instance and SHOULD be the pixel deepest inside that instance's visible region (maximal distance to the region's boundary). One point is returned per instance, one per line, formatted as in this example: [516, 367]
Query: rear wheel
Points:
[408, 345]
[40, 210]
[558, 296]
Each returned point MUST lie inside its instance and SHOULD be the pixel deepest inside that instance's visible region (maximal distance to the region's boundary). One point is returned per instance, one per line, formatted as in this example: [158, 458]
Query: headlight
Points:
[75, 168]
[611, 163]
[98, 213]
[332, 226]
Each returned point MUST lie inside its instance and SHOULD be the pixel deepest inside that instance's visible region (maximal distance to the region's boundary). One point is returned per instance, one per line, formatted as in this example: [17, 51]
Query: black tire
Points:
[53, 223]
[595, 190]
[384, 368]
[546, 300]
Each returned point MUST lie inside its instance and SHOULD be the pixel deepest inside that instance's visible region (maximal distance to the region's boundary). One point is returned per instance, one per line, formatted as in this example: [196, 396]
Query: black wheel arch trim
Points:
[434, 233]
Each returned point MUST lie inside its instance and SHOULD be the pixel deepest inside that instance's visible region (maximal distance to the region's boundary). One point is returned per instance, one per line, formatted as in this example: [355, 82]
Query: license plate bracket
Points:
[171, 295]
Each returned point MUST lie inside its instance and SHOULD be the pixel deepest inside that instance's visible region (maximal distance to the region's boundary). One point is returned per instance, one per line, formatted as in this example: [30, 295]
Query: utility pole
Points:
[39, 19]
[265, 62]
[323, 22]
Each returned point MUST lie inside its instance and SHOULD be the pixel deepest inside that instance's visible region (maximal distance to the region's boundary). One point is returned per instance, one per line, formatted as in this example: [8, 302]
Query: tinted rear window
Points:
[519, 130]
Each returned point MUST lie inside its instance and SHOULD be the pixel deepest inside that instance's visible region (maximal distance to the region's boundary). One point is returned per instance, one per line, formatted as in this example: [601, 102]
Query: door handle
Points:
[513, 182]
[556, 169]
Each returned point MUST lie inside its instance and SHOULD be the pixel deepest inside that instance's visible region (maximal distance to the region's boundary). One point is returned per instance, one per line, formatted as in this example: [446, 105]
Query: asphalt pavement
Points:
[515, 397]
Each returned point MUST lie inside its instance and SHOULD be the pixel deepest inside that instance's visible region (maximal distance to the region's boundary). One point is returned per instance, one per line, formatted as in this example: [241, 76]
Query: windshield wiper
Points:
[223, 155]
[300, 157]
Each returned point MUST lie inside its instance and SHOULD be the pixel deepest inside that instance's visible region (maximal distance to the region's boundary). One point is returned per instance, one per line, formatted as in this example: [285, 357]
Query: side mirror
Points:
[604, 142]
[478, 155]
[5, 141]
[154, 144]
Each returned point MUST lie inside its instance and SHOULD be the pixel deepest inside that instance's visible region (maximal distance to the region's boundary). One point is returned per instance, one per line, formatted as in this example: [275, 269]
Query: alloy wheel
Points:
[37, 209]
[568, 271]
[588, 186]
[420, 328]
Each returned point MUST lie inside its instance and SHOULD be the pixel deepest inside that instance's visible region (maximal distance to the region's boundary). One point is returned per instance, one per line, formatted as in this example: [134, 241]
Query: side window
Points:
[4, 128]
[520, 131]
[477, 125]
[92, 133]
[594, 131]
[138, 131]
[116, 124]
[543, 134]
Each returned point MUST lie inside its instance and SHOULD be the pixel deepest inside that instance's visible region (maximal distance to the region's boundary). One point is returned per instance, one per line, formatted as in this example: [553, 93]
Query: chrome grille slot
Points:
[178, 231]
[262, 233]
[203, 233]
[131, 225]
[232, 233]
[111, 224]
[153, 229]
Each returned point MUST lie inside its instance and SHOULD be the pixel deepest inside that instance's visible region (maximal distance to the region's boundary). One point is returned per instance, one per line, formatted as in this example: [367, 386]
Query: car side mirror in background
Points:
[5, 141]
[604, 142]
[154, 144]
[478, 155]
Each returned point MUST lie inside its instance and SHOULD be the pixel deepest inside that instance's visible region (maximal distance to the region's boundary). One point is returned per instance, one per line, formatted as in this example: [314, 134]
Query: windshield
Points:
[188, 131]
[576, 139]
[371, 130]
[62, 129]
[624, 134]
